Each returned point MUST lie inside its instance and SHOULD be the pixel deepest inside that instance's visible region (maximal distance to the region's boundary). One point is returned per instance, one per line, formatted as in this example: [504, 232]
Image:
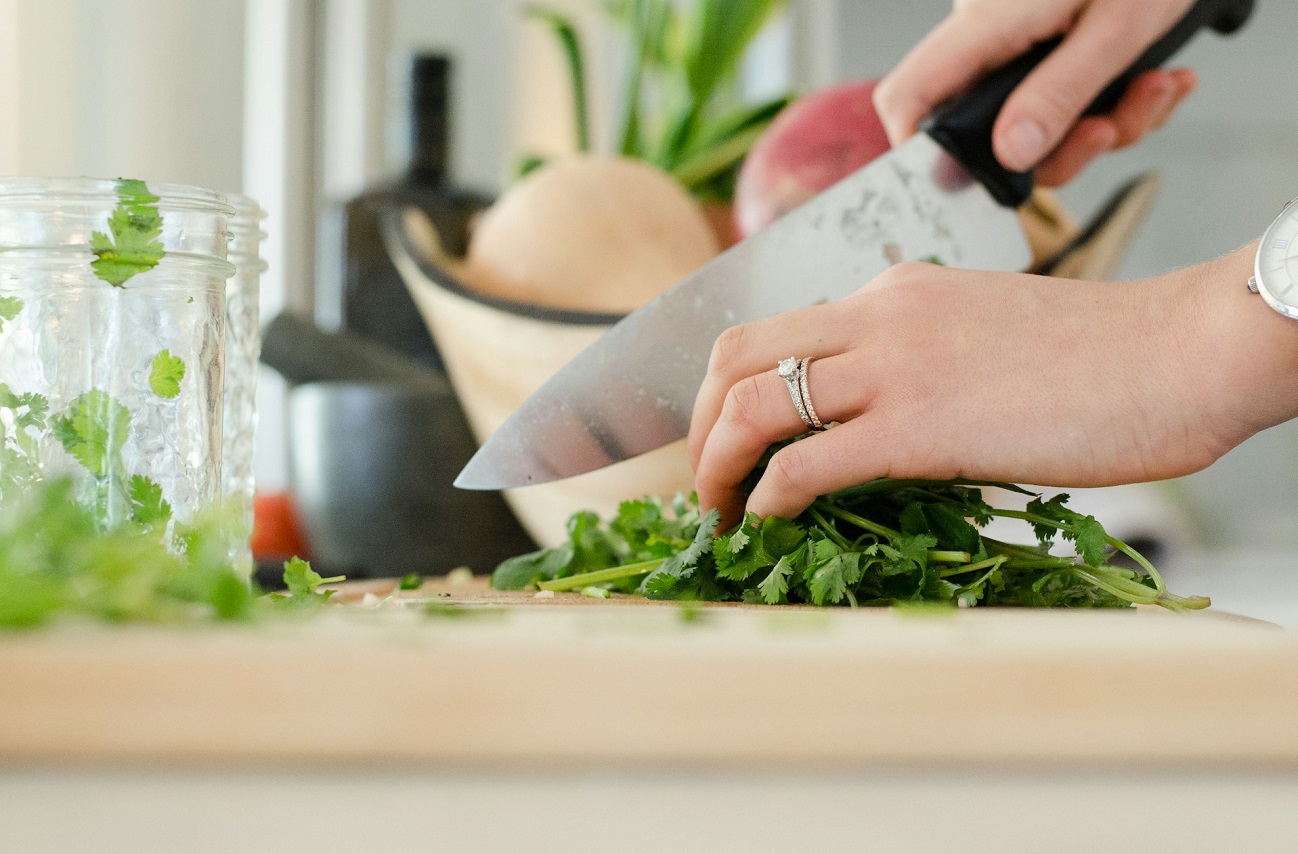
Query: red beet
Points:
[819, 140]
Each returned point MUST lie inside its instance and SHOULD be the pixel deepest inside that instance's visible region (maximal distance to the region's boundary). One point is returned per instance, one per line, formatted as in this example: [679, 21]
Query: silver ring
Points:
[813, 422]
[792, 371]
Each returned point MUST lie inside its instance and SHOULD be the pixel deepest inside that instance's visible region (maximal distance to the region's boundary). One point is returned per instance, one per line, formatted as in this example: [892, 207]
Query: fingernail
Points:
[1025, 144]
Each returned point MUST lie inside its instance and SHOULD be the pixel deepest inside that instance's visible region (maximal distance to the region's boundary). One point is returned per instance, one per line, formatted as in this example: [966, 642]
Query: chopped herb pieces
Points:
[93, 430]
[10, 307]
[166, 374]
[135, 226]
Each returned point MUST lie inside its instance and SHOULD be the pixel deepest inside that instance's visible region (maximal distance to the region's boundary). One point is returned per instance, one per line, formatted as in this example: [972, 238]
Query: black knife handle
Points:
[963, 125]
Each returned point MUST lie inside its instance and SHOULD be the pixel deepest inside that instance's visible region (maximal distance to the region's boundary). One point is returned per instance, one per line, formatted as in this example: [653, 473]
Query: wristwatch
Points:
[1275, 270]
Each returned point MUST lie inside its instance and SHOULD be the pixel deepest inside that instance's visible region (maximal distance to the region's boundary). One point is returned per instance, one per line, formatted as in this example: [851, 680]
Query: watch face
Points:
[1277, 263]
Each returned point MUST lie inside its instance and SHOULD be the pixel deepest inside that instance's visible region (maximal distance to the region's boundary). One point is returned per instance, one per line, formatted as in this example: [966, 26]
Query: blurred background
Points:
[305, 106]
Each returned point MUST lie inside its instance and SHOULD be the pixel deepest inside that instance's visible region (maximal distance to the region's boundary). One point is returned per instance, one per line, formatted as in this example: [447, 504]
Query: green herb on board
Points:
[411, 581]
[135, 226]
[166, 374]
[887, 542]
[303, 583]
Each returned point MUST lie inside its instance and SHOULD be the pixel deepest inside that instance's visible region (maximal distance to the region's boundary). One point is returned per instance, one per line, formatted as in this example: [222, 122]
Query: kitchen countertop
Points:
[581, 718]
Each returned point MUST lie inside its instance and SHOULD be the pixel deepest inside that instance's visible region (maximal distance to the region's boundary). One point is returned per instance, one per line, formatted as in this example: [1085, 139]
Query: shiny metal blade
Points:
[633, 390]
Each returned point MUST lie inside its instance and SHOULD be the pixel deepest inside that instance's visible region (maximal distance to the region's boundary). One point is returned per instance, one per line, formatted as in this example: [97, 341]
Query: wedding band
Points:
[810, 419]
[792, 370]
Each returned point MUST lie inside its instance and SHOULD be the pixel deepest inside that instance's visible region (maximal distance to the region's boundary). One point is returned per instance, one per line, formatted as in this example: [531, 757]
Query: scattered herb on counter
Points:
[303, 585]
[411, 581]
[135, 226]
[887, 542]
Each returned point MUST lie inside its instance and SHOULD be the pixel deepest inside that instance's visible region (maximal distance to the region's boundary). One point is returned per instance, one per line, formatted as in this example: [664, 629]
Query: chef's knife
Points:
[941, 196]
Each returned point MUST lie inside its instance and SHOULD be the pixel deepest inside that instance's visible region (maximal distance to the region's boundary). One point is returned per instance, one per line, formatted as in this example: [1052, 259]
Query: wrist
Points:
[1243, 353]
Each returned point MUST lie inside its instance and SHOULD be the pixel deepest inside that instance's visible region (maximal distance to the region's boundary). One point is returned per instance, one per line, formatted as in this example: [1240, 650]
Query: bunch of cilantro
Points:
[887, 542]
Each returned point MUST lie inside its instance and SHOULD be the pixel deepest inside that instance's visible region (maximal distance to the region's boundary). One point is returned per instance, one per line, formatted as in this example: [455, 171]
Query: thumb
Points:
[1048, 104]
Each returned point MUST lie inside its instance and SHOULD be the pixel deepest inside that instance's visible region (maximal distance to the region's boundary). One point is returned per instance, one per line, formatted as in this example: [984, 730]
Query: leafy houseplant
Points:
[679, 111]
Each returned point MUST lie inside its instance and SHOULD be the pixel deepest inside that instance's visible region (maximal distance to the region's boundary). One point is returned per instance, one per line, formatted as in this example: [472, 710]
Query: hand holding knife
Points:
[940, 196]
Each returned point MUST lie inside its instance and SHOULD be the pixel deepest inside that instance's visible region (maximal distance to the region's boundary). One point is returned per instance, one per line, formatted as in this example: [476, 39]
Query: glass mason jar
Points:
[112, 335]
[242, 353]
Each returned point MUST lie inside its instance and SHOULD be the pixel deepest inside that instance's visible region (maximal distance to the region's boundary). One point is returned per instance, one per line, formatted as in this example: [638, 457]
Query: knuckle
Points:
[743, 405]
[788, 470]
[727, 350]
[1055, 106]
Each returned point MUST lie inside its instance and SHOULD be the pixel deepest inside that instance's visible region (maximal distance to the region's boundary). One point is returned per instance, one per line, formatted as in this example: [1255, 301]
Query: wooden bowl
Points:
[497, 353]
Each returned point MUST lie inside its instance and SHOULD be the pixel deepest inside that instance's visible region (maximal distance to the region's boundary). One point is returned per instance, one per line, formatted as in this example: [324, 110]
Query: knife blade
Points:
[941, 196]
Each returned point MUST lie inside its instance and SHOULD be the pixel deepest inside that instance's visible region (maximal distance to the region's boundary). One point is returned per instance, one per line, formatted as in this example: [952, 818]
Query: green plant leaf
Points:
[166, 375]
[717, 34]
[570, 42]
[135, 226]
[724, 145]
[649, 23]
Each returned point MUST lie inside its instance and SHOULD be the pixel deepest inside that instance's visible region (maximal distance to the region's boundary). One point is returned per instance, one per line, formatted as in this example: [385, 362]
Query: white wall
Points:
[148, 88]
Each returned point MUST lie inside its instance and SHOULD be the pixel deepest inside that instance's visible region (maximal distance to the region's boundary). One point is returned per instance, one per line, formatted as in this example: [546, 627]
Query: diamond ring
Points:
[794, 373]
[810, 419]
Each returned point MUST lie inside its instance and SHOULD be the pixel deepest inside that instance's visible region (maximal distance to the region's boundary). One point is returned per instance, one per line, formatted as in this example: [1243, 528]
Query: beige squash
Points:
[589, 233]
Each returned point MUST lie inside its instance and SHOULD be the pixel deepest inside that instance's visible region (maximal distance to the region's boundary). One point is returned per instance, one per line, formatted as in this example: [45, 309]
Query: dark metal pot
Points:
[371, 465]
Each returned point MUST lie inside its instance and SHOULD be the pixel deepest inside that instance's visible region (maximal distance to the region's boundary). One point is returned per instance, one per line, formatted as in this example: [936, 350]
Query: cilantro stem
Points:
[991, 563]
[939, 556]
[828, 527]
[601, 576]
[1127, 550]
[1130, 591]
[1140, 561]
[859, 521]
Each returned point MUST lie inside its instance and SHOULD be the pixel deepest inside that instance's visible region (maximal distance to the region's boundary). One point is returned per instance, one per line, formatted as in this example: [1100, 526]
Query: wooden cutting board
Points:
[506, 677]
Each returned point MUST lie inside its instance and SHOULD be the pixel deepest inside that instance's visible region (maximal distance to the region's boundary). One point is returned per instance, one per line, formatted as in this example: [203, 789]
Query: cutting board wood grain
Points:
[508, 678]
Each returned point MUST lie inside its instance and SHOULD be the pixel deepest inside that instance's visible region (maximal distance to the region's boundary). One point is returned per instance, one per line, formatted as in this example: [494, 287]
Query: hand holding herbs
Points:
[937, 372]
[889, 542]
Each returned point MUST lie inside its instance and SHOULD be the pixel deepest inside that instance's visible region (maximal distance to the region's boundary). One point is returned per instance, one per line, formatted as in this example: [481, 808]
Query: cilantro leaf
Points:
[10, 307]
[302, 583]
[1091, 539]
[775, 586]
[528, 569]
[148, 507]
[830, 579]
[661, 583]
[135, 226]
[166, 375]
[93, 430]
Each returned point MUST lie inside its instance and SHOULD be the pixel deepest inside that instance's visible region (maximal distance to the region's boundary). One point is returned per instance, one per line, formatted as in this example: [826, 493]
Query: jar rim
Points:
[24, 189]
[57, 253]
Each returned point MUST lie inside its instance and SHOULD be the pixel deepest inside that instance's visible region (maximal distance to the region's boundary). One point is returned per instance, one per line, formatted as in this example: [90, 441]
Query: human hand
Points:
[938, 373]
[1039, 125]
